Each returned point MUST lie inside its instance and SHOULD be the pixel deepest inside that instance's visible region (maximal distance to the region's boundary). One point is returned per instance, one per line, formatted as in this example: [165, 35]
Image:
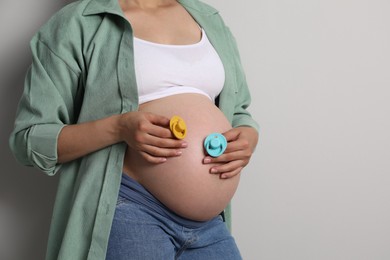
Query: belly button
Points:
[178, 127]
[215, 144]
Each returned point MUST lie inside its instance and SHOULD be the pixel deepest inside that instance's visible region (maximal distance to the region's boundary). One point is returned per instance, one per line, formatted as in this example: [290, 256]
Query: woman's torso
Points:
[184, 184]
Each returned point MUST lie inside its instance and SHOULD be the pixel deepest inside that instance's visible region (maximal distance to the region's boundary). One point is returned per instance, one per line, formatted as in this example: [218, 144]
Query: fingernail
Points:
[223, 176]
[213, 170]
[184, 145]
[206, 160]
[179, 152]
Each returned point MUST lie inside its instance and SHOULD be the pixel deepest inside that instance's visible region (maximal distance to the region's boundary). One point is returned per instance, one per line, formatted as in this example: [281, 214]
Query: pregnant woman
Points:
[106, 78]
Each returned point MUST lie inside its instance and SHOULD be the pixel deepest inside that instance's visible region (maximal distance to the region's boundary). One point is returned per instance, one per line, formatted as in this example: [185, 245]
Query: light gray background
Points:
[318, 185]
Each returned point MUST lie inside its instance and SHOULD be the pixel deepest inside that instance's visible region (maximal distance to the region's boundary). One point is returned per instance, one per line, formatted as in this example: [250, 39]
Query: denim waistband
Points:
[133, 191]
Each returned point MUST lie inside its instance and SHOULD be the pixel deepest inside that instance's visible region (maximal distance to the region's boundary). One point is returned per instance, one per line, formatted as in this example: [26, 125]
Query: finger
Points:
[155, 130]
[231, 174]
[152, 159]
[232, 134]
[164, 142]
[159, 131]
[226, 157]
[160, 152]
[232, 152]
[234, 146]
[143, 137]
[158, 119]
[227, 167]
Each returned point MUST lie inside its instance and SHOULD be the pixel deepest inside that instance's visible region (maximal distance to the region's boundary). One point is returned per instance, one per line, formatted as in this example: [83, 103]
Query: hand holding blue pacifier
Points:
[215, 144]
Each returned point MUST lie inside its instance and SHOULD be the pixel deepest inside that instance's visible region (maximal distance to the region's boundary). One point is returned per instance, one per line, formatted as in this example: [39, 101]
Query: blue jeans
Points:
[140, 233]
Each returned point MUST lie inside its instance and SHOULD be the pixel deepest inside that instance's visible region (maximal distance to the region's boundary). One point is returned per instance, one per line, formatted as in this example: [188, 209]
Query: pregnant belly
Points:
[184, 184]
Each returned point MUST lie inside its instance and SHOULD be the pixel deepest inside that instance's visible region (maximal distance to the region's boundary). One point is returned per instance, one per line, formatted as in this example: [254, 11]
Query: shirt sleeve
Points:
[46, 106]
[241, 116]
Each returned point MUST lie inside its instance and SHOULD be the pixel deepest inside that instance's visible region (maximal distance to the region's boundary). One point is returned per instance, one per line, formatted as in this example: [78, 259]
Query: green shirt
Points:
[83, 70]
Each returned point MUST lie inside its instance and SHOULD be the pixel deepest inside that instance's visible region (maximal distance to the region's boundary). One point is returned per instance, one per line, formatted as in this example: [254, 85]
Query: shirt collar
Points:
[112, 6]
[103, 6]
[195, 5]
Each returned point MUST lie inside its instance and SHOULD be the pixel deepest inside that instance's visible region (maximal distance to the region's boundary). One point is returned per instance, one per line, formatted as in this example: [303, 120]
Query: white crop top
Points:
[163, 70]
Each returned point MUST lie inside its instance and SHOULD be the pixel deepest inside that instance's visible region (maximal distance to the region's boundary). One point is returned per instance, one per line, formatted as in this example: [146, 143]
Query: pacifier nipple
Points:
[180, 126]
[215, 143]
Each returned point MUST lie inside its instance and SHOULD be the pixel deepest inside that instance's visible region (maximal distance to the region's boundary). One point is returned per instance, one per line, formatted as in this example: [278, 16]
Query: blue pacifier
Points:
[215, 144]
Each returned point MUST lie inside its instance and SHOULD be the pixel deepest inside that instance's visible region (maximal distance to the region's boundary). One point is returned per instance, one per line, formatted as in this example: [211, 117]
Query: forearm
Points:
[75, 141]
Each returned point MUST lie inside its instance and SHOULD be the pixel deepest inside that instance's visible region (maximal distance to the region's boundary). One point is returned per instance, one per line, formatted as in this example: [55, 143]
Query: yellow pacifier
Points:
[178, 127]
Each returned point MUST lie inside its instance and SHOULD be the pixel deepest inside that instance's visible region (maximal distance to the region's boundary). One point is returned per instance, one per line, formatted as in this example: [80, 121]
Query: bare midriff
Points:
[184, 184]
